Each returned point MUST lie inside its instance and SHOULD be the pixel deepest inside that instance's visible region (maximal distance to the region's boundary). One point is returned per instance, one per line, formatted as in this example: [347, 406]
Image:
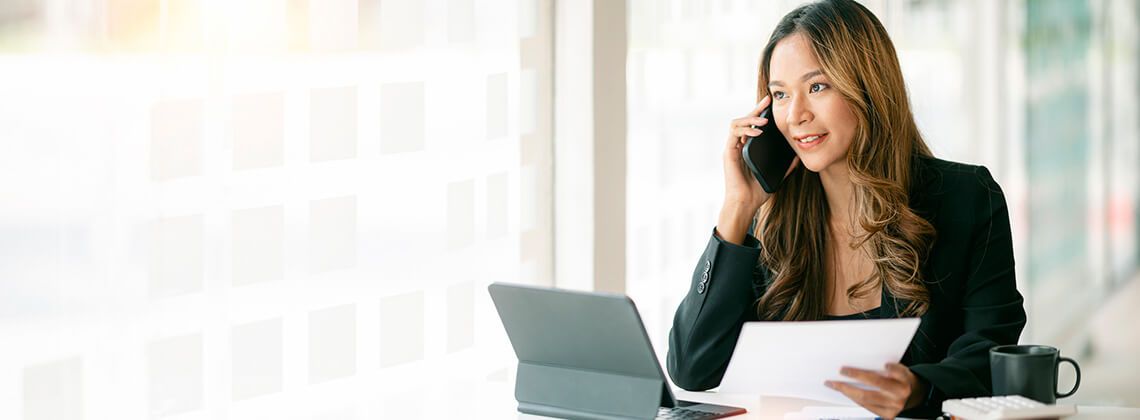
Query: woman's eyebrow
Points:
[806, 76]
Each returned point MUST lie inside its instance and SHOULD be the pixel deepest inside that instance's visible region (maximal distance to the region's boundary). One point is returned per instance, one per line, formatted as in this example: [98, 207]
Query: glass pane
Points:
[267, 208]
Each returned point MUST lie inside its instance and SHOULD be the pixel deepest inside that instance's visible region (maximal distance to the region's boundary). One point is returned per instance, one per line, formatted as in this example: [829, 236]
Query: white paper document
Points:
[844, 413]
[834, 413]
[793, 359]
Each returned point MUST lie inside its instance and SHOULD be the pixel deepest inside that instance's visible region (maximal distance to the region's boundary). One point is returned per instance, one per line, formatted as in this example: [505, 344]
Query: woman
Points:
[867, 225]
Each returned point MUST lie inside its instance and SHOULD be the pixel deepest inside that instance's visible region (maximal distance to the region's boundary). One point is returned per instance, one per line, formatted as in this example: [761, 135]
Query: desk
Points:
[497, 400]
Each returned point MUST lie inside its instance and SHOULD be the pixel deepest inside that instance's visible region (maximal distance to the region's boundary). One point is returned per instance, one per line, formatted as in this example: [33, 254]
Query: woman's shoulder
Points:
[943, 186]
[939, 176]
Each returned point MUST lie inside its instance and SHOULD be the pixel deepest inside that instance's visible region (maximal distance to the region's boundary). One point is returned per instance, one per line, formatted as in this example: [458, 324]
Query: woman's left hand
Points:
[898, 389]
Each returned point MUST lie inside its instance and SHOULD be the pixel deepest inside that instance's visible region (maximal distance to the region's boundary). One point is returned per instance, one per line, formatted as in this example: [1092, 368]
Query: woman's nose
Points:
[798, 112]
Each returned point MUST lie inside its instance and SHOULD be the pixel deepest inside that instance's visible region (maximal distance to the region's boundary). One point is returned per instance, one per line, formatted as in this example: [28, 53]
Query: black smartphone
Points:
[769, 155]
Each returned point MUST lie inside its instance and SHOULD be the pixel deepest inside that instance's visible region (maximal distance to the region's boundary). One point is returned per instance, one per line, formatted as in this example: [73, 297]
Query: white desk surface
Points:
[496, 400]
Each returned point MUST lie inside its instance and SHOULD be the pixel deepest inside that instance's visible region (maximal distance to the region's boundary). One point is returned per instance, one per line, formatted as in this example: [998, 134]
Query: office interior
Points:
[292, 208]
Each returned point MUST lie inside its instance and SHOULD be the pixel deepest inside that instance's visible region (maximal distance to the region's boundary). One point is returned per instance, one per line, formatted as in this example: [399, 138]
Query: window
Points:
[267, 208]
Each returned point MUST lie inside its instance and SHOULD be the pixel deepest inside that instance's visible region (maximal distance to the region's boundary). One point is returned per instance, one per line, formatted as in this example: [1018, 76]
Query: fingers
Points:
[747, 131]
[752, 121]
[898, 371]
[891, 396]
[889, 384]
[877, 402]
[747, 127]
[764, 102]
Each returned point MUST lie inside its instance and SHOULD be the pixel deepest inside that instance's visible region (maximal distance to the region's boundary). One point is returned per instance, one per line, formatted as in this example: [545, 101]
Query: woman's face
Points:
[812, 115]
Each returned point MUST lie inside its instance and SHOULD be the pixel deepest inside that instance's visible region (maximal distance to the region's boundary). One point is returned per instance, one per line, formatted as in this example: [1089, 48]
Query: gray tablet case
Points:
[583, 355]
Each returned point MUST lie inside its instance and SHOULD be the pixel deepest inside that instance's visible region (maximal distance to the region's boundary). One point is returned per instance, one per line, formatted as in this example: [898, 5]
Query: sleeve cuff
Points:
[931, 406]
[750, 242]
[727, 261]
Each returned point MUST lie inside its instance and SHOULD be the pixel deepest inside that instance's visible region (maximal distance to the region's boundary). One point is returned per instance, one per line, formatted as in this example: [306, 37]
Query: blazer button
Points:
[705, 278]
[708, 265]
[701, 288]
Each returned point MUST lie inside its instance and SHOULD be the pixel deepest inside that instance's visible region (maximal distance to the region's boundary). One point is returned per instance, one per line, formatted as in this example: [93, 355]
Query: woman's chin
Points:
[812, 165]
[817, 163]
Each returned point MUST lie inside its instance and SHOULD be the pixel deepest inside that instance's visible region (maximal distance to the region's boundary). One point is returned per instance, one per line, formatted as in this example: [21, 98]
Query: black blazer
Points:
[974, 302]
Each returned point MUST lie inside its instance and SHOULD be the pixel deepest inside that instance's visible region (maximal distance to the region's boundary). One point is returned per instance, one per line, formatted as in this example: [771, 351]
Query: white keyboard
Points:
[1001, 408]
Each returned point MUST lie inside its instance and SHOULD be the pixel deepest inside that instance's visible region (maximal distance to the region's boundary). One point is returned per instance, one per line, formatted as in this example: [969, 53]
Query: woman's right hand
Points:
[743, 195]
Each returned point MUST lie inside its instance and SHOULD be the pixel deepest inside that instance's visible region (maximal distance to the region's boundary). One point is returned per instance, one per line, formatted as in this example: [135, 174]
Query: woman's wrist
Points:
[734, 220]
[918, 392]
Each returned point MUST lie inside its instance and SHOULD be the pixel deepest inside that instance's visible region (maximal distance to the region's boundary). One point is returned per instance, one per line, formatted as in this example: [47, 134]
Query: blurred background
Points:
[292, 208]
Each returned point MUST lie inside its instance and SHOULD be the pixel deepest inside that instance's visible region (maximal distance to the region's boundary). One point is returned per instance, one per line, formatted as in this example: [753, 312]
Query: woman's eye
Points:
[777, 95]
[816, 87]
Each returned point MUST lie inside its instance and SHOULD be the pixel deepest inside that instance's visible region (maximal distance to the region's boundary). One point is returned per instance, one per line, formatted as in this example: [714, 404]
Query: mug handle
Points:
[1077, 368]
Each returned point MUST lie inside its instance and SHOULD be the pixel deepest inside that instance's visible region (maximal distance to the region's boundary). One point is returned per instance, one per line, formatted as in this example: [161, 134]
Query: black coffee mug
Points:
[1029, 371]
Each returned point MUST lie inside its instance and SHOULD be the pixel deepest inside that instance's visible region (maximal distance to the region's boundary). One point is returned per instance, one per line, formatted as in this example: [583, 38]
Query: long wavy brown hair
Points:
[856, 53]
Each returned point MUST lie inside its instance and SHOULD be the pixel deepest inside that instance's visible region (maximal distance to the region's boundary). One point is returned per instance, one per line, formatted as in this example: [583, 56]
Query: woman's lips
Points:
[808, 143]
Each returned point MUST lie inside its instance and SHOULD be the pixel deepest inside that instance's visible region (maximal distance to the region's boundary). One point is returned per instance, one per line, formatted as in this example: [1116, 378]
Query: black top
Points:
[974, 302]
[868, 314]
